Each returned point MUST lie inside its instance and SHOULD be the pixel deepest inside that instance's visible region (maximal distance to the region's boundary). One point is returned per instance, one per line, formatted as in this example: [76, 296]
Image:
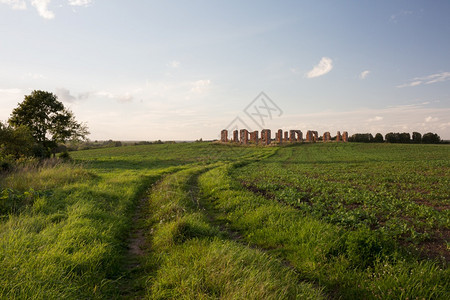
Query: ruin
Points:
[279, 136]
[266, 136]
[245, 137]
[345, 136]
[254, 137]
[236, 136]
[327, 137]
[224, 136]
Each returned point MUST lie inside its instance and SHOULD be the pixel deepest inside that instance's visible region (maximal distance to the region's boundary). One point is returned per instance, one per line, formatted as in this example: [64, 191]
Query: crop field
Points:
[212, 221]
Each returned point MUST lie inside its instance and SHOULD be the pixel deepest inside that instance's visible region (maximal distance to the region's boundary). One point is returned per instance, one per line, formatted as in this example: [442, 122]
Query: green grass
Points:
[350, 221]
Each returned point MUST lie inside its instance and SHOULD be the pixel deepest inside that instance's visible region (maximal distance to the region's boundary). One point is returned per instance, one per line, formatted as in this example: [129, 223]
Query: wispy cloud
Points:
[364, 74]
[375, 119]
[403, 13]
[431, 119]
[15, 4]
[42, 6]
[80, 2]
[433, 78]
[64, 95]
[325, 65]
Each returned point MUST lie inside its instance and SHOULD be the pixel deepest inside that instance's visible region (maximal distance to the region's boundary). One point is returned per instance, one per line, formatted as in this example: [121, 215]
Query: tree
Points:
[416, 137]
[431, 138]
[16, 142]
[48, 120]
[361, 138]
[378, 138]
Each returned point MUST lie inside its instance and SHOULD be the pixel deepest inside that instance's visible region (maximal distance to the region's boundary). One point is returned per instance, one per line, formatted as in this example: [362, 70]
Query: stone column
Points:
[338, 136]
[291, 136]
[309, 136]
[299, 136]
[316, 136]
[345, 136]
[254, 137]
[236, 136]
[279, 136]
[267, 136]
[244, 136]
[224, 136]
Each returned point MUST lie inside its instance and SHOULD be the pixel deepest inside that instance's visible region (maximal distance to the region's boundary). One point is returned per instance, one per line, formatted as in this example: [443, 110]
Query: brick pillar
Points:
[267, 136]
[291, 136]
[279, 136]
[315, 136]
[236, 136]
[326, 137]
[338, 136]
[254, 137]
[309, 136]
[224, 136]
[345, 136]
[299, 136]
[244, 136]
[286, 136]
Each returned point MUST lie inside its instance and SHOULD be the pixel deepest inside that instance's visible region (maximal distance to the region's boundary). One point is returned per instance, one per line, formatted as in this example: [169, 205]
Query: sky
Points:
[145, 70]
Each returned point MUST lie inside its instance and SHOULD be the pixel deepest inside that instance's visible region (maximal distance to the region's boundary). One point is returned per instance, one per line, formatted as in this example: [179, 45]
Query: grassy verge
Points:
[195, 260]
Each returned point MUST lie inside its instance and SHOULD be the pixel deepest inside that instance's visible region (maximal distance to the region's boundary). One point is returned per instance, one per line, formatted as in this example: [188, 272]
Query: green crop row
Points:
[359, 264]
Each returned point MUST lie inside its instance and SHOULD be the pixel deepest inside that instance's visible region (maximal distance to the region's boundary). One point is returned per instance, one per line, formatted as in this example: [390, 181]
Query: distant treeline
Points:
[75, 146]
[396, 137]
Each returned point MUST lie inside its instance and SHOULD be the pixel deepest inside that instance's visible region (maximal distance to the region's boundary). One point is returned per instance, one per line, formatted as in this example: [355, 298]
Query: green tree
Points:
[431, 138]
[416, 137]
[378, 138]
[16, 141]
[48, 120]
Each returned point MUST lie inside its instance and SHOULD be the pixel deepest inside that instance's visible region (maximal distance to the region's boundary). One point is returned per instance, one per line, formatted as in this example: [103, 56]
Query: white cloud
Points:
[433, 78]
[15, 4]
[80, 2]
[377, 118]
[174, 64]
[64, 95]
[325, 65]
[431, 119]
[42, 8]
[364, 74]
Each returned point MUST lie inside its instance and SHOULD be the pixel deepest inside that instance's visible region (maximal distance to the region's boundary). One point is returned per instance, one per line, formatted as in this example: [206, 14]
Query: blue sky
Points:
[183, 70]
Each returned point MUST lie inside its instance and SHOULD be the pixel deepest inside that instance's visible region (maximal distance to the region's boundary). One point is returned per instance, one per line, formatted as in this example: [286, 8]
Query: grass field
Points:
[209, 221]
